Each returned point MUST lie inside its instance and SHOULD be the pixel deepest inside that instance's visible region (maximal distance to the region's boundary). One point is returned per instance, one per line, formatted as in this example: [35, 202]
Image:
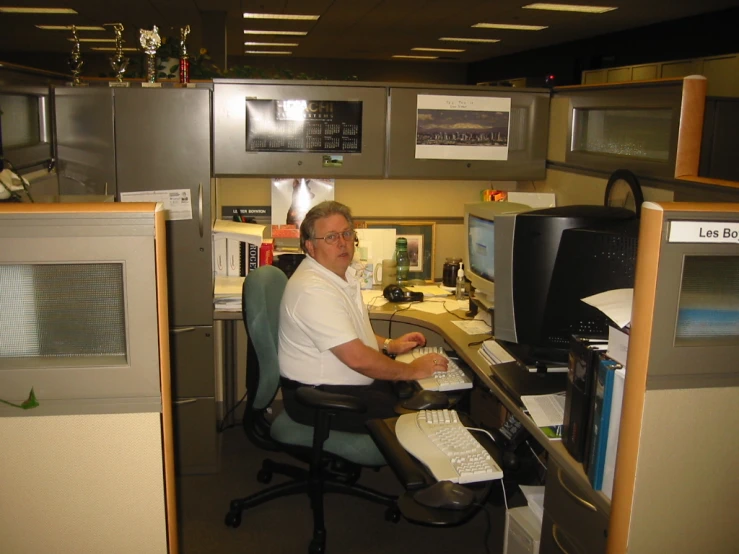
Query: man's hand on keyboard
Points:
[406, 343]
[427, 365]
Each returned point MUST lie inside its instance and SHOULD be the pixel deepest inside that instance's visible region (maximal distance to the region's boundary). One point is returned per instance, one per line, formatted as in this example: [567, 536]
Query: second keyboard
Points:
[453, 379]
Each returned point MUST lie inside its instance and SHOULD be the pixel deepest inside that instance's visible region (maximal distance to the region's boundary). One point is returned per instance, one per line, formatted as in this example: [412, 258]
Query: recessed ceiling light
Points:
[282, 16]
[69, 27]
[270, 44]
[569, 8]
[438, 49]
[280, 52]
[461, 39]
[93, 39]
[56, 11]
[415, 57]
[509, 26]
[112, 49]
[285, 33]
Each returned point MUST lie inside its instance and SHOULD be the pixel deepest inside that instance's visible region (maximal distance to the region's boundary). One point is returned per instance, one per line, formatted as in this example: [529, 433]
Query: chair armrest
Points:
[322, 400]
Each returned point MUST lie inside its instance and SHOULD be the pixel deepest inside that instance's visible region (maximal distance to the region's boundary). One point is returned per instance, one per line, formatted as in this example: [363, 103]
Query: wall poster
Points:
[331, 126]
[291, 200]
[462, 127]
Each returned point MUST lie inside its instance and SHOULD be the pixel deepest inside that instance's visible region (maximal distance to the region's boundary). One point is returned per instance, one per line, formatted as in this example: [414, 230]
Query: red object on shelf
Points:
[184, 70]
[266, 254]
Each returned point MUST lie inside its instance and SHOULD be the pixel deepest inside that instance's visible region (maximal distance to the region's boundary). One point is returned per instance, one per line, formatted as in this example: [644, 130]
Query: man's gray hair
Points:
[319, 211]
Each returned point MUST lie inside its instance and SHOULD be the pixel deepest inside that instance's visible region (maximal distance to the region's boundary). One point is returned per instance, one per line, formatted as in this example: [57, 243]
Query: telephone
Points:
[396, 294]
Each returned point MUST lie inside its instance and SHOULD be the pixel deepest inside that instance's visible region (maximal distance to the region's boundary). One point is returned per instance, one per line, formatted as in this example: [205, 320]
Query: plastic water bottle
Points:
[402, 259]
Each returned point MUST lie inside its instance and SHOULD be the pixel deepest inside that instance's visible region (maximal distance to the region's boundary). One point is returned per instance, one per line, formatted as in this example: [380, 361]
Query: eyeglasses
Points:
[333, 238]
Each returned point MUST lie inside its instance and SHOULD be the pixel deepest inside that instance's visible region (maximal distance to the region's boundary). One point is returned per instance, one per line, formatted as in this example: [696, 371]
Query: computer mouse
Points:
[426, 400]
[446, 496]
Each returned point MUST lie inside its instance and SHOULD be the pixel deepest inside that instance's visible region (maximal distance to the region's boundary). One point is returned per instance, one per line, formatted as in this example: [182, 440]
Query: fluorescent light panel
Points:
[407, 57]
[93, 40]
[270, 44]
[56, 11]
[281, 16]
[437, 49]
[112, 49]
[279, 52]
[283, 33]
[462, 39]
[569, 8]
[509, 27]
[69, 27]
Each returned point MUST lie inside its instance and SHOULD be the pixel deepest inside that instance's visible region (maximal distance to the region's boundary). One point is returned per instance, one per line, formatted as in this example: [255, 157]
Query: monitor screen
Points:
[479, 250]
[481, 239]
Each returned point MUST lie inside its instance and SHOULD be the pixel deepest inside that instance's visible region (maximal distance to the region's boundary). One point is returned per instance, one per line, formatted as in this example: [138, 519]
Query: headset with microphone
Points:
[396, 294]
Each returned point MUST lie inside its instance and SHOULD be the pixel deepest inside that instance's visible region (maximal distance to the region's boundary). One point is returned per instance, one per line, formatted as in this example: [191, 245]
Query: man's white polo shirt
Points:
[320, 310]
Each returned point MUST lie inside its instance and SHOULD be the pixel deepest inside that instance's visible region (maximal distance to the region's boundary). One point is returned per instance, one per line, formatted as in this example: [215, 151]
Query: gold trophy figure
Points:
[150, 42]
[118, 61]
[75, 59]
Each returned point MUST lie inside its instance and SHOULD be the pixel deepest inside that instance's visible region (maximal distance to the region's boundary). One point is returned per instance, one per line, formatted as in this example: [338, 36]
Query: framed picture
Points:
[421, 237]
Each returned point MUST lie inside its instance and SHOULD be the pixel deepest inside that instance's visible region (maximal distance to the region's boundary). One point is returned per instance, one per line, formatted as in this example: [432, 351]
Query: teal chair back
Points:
[261, 297]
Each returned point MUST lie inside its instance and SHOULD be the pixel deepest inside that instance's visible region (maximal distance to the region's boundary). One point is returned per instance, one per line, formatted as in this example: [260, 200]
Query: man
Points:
[325, 336]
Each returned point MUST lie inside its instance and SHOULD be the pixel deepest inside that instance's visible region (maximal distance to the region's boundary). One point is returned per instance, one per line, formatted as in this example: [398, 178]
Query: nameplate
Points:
[704, 231]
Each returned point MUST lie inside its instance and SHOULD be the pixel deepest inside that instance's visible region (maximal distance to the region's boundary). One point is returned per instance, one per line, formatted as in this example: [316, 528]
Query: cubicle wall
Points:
[84, 313]
[676, 483]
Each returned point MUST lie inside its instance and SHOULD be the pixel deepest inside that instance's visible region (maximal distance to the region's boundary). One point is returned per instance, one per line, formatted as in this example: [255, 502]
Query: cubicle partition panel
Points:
[83, 312]
[676, 483]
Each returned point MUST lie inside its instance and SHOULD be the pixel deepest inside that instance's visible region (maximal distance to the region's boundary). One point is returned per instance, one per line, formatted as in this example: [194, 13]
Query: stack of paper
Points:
[494, 353]
[245, 232]
[429, 291]
[227, 293]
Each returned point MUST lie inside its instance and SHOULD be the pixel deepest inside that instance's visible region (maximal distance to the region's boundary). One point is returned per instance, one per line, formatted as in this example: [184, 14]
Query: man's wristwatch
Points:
[386, 348]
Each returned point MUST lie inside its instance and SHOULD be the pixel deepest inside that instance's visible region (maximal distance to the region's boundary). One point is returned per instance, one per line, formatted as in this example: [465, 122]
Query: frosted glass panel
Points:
[708, 313]
[62, 311]
[20, 120]
[635, 133]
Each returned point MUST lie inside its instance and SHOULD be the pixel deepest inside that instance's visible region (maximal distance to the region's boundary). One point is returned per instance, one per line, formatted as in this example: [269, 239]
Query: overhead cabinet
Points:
[467, 133]
[288, 129]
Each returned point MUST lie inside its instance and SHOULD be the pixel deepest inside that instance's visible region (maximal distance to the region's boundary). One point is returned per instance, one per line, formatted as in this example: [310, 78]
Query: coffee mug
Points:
[386, 273]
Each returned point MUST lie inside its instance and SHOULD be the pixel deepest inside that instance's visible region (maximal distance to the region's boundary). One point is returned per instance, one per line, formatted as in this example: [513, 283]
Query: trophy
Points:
[75, 60]
[150, 42]
[184, 58]
[118, 61]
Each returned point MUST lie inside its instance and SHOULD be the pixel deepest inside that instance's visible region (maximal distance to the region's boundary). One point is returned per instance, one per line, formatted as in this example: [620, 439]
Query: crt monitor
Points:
[546, 261]
[479, 263]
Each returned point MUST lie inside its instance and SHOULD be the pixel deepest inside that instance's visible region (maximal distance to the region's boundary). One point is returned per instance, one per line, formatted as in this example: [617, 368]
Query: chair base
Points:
[331, 481]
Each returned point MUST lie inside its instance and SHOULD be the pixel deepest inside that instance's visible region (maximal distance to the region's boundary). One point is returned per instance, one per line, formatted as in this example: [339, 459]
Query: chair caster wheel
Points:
[233, 519]
[264, 476]
[393, 515]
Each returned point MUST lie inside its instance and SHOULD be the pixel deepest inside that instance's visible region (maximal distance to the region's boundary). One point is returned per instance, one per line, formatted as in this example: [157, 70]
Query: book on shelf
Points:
[614, 425]
[583, 358]
[599, 429]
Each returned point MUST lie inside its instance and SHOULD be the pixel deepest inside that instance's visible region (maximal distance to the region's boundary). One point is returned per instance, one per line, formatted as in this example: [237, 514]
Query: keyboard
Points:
[452, 379]
[444, 445]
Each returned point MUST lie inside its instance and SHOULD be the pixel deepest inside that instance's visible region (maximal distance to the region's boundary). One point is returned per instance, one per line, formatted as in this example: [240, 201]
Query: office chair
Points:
[334, 458]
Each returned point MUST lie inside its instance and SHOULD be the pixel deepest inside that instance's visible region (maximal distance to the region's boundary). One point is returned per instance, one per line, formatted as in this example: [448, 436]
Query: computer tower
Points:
[522, 532]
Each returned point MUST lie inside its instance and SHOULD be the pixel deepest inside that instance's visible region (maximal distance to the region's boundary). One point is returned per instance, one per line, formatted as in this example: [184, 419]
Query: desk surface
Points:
[459, 341]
